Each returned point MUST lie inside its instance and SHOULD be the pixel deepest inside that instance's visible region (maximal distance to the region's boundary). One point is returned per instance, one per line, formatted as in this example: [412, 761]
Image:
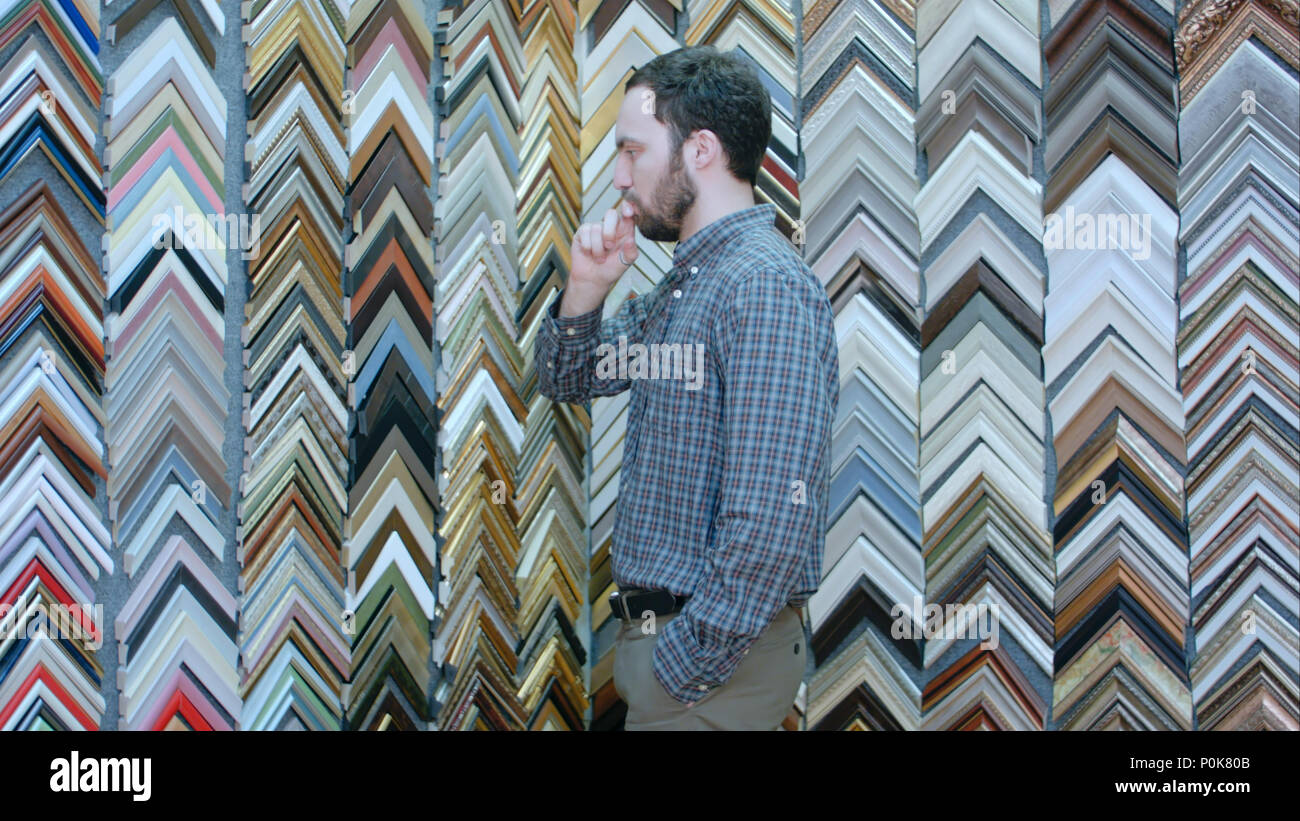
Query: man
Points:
[721, 515]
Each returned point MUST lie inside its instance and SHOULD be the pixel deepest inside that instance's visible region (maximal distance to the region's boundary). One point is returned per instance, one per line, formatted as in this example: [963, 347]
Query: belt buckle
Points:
[618, 603]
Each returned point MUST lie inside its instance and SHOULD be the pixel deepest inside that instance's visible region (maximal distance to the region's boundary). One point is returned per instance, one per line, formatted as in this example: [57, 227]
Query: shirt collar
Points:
[692, 251]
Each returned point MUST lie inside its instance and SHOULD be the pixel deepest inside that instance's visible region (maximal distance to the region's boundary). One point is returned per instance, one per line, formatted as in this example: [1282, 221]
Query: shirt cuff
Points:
[687, 676]
[573, 328]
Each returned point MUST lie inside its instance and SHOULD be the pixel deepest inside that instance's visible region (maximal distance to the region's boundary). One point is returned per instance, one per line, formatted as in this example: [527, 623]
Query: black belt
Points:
[631, 603]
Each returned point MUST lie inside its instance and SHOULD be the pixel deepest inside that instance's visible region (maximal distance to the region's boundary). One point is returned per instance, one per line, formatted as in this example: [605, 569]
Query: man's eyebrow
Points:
[621, 141]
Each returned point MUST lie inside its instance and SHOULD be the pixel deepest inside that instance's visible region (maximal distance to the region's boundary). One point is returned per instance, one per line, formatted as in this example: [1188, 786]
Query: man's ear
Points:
[701, 143]
[707, 145]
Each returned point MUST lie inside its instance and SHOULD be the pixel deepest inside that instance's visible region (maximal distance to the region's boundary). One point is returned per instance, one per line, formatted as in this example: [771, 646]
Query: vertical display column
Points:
[55, 560]
[168, 254]
[296, 628]
[389, 548]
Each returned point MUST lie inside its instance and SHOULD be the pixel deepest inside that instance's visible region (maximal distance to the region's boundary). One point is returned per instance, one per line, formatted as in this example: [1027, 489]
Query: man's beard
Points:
[674, 195]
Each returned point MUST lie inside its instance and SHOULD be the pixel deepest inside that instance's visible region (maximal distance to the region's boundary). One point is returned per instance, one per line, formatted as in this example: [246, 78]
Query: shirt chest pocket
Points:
[681, 393]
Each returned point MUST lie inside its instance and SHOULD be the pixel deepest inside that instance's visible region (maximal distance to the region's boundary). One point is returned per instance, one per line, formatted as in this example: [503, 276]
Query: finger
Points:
[626, 227]
[629, 248]
[609, 228]
[594, 240]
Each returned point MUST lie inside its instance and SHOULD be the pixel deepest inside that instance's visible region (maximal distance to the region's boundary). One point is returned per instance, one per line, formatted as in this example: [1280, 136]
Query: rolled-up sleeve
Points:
[777, 418]
[568, 348]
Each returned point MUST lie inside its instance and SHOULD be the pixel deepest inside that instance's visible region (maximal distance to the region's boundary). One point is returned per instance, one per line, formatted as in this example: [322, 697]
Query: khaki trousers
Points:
[758, 696]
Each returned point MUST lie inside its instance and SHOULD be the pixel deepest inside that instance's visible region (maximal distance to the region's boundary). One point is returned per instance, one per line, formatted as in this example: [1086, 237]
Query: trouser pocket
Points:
[634, 679]
[757, 696]
[626, 645]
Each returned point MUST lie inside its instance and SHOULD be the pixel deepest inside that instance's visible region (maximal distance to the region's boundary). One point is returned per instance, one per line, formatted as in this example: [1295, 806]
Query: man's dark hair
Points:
[699, 87]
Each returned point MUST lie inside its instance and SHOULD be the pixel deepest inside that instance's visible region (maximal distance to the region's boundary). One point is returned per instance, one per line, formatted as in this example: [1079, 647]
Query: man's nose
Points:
[622, 179]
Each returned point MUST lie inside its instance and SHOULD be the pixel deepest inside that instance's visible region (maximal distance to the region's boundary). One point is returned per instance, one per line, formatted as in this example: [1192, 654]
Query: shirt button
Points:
[569, 331]
[695, 269]
[677, 294]
[550, 363]
[746, 653]
[704, 686]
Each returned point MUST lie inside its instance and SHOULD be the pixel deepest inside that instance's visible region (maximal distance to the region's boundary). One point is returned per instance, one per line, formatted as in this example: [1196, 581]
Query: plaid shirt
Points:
[725, 476]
